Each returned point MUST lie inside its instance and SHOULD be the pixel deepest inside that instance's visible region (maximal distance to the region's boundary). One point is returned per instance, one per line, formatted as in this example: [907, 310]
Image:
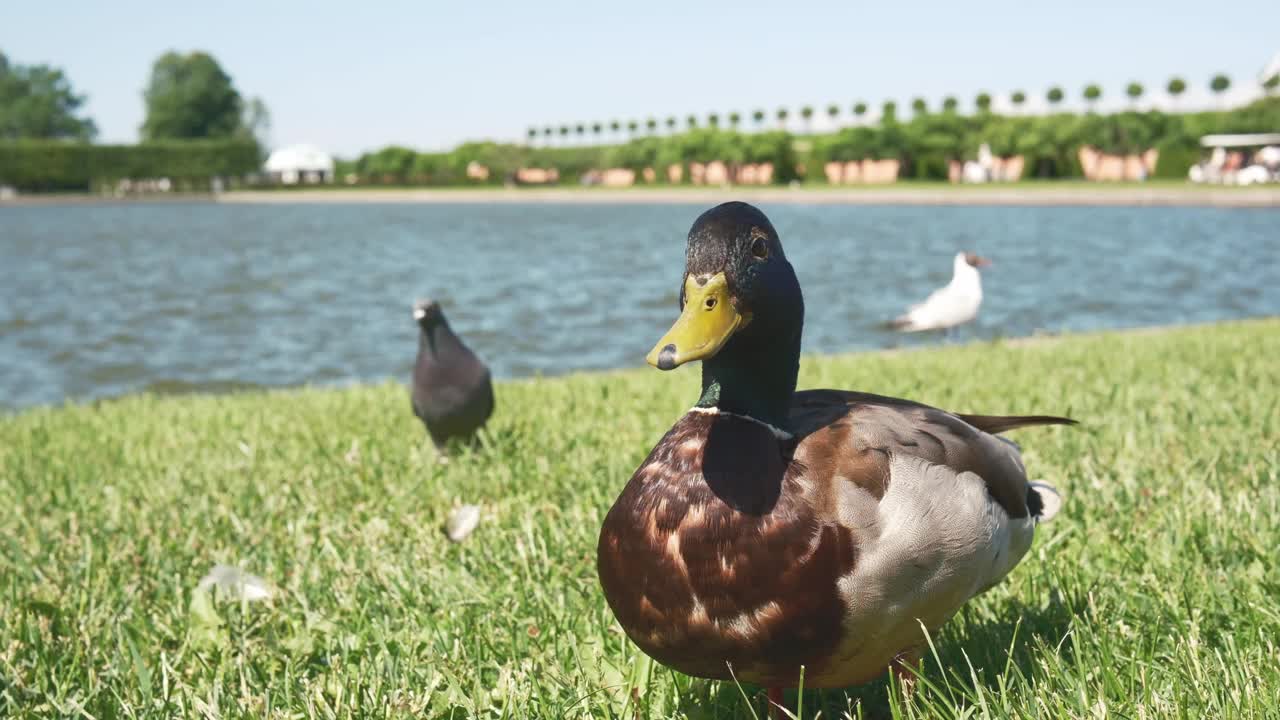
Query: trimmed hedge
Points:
[1175, 161]
[925, 145]
[37, 165]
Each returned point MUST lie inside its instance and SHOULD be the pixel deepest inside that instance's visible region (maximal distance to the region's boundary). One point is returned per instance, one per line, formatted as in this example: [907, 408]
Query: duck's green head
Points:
[739, 295]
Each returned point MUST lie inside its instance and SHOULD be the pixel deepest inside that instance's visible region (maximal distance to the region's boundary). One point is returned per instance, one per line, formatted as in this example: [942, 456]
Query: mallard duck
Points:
[452, 391]
[771, 529]
[951, 305]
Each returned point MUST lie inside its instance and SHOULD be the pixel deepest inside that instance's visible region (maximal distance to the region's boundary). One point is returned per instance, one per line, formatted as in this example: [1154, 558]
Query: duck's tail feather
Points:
[1043, 500]
[1000, 423]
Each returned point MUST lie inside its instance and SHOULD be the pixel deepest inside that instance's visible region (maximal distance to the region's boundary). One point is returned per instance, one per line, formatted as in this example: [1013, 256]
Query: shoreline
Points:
[177, 389]
[1066, 194]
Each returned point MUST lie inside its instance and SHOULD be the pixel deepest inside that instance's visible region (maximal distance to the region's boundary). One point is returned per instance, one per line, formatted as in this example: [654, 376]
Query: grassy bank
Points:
[1152, 595]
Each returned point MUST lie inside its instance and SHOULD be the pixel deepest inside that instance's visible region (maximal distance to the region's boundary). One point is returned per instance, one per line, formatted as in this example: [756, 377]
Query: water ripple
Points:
[102, 300]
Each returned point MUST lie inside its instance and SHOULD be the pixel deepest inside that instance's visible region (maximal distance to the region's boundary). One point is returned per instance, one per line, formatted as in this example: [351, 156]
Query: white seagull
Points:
[956, 303]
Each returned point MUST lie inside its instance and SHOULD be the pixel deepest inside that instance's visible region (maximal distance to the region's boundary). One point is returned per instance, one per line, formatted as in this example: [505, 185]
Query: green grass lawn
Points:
[1155, 594]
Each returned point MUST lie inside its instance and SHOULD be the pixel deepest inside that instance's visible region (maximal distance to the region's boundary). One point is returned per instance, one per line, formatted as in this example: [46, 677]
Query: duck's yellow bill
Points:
[704, 326]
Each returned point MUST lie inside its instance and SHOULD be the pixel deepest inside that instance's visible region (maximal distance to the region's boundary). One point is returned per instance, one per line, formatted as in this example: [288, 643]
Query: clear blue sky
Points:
[351, 76]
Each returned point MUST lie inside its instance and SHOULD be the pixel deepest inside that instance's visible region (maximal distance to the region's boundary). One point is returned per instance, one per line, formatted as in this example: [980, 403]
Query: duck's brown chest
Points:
[714, 556]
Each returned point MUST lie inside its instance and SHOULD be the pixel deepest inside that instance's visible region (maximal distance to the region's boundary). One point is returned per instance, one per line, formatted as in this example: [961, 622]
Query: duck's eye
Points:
[760, 248]
[710, 303]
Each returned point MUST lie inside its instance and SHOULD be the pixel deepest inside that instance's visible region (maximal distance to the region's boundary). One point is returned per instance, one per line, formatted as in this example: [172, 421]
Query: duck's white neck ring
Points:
[777, 432]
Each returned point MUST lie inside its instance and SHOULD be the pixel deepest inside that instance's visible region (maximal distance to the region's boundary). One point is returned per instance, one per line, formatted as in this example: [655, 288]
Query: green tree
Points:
[426, 166]
[1134, 90]
[1270, 84]
[1219, 85]
[37, 101]
[1055, 96]
[734, 119]
[950, 103]
[833, 113]
[632, 127]
[564, 132]
[651, 124]
[691, 121]
[758, 117]
[615, 126]
[782, 114]
[671, 123]
[889, 112]
[1092, 93]
[190, 96]
[1018, 98]
[255, 122]
[859, 110]
[390, 164]
[806, 114]
[919, 106]
[533, 134]
[547, 132]
[597, 129]
[713, 120]
[1176, 87]
[983, 101]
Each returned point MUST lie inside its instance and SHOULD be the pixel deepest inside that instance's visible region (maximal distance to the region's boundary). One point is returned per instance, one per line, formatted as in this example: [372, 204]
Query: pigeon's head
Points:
[975, 260]
[426, 312]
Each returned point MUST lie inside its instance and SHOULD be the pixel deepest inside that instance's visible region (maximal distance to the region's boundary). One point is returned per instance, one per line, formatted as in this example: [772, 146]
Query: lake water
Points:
[102, 300]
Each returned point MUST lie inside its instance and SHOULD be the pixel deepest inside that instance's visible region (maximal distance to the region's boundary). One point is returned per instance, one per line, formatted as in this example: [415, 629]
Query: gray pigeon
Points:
[452, 393]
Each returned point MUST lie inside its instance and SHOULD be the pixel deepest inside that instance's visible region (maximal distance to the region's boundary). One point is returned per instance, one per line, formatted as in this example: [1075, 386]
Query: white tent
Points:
[300, 163]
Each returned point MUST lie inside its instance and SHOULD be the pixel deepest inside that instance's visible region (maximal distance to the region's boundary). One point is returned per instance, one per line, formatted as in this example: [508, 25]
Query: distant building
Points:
[295, 164]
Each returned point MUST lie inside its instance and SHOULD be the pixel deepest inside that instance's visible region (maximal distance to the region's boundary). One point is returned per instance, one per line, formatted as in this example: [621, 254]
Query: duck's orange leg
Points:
[905, 667]
[775, 703]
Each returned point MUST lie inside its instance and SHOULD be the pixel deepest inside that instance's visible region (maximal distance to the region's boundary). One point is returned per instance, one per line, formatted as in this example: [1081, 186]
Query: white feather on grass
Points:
[462, 521]
[233, 583]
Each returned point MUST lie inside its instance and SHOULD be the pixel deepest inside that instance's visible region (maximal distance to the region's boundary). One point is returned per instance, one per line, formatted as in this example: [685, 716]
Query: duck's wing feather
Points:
[855, 434]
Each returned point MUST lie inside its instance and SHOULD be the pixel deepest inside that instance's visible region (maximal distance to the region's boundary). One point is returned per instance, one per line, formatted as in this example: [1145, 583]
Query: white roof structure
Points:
[1244, 140]
[299, 159]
